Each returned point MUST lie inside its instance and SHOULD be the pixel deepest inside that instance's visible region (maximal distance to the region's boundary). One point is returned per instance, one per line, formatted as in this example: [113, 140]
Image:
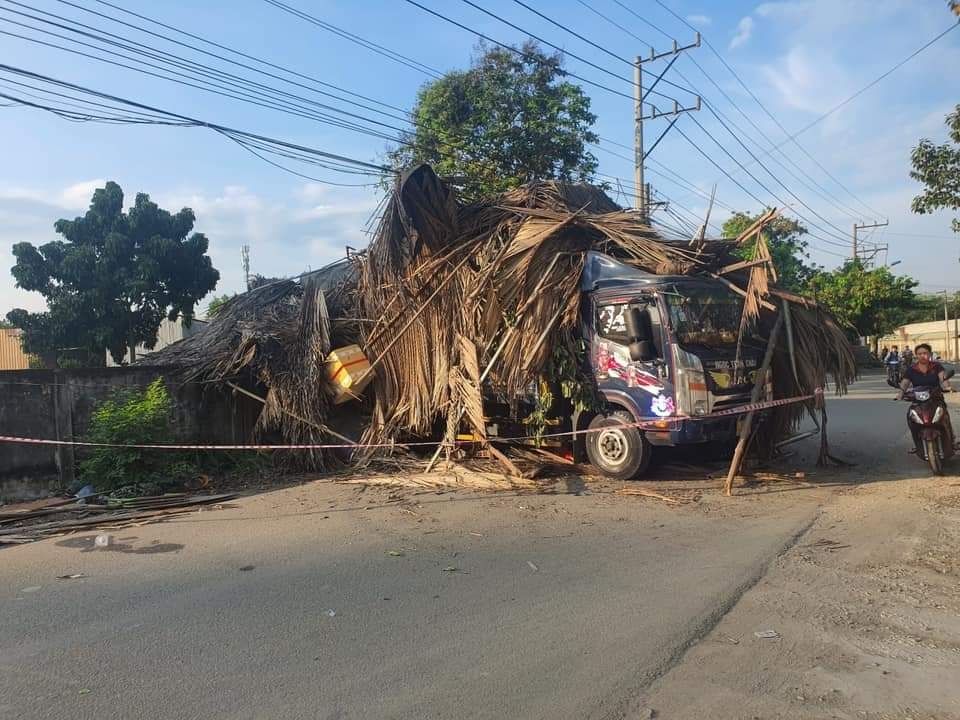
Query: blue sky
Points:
[800, 58]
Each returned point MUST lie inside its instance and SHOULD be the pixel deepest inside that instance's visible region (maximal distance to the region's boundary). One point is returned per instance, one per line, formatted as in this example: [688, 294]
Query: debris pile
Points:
[58, 516]
[450, 300]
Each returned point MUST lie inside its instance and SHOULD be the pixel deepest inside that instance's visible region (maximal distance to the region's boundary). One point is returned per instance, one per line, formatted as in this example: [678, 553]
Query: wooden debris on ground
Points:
[63, 516]
[448, 476]
[678, 499]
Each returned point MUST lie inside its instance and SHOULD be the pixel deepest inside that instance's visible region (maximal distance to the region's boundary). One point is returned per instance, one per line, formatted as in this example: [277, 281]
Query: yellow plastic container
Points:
[350, 371]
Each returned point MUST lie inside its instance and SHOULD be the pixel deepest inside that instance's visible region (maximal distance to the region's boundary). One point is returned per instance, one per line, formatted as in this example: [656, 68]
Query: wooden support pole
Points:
[758, 386]
[321, 428]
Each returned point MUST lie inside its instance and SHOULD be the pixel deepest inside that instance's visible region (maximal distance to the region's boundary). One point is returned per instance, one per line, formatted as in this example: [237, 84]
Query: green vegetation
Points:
[938, 168]
[787, 247]
[134, 417]
[508, 120]
[112, 279]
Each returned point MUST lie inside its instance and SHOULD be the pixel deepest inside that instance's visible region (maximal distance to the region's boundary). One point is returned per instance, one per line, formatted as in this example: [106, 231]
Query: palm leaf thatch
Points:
[450, 298]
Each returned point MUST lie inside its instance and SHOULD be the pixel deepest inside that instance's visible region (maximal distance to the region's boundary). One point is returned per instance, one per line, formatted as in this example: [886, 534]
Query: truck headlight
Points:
[700, 407]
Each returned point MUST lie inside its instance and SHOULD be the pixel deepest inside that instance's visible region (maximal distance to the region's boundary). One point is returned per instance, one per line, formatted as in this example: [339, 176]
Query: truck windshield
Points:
[702, 316]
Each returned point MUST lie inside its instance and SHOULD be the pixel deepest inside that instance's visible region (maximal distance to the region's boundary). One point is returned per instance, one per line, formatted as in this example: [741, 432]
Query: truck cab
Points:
[663, 350]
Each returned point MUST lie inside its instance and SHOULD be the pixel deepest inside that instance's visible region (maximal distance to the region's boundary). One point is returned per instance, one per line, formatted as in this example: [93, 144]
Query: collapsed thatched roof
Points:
[449, 295]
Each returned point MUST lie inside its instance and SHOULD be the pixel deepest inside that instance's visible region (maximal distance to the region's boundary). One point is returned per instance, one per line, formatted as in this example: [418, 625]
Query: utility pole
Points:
[861, 226]
[641, 192]
[245, 259]
[946, 322]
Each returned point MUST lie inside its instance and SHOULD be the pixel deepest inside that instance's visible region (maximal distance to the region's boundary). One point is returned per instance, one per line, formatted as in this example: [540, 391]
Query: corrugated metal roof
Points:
[12, 356]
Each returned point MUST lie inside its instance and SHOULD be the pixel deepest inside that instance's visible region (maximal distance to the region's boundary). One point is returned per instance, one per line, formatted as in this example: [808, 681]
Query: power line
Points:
[370, 45]
[644, 20]
[869, 85]
[792, 137]
[204, 72]
[756, 180]
[511, 48]
[709, 107]
[247, 56]
[694, 89]
[767, 170]
[187, 120]
[556, 47]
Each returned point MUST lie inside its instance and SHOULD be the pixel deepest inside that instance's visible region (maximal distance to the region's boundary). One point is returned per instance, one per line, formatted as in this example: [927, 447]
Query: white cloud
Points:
[780, 9]
[744, 31]
[699, 19]
[808, 80]
[309, 228]
[77, 196]
[72, 197]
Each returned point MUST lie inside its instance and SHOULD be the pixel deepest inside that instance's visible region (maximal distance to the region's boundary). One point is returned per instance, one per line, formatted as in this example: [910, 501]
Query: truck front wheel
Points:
[616, 449]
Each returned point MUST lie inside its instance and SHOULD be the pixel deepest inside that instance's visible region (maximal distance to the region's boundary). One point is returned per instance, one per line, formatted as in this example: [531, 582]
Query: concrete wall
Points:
[57, 405]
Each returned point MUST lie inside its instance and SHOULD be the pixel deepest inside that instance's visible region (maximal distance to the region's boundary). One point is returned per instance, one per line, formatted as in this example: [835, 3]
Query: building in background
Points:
[12, 356]
[941, 335]
[168, 334]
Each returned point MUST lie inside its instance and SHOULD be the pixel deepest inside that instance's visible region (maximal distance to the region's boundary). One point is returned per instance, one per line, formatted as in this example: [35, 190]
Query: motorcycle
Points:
[894, 375]
[929, 423]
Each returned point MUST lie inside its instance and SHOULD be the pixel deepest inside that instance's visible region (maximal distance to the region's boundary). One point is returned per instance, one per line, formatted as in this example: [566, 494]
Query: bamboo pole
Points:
[754, 397]
[321, 428]
[500, 347]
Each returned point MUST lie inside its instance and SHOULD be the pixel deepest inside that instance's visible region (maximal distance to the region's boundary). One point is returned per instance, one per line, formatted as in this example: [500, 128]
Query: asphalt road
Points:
[323, 601]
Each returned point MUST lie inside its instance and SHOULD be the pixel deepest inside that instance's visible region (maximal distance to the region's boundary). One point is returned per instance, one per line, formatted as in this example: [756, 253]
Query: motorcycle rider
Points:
[926, 373]
[892, 361]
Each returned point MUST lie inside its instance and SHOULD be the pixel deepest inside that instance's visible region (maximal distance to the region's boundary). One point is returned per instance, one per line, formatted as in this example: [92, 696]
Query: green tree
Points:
[112, 278]
[4, 325]
[938, 168]
[787, 247]
[216, 305]
[871, 302]
[508, 120]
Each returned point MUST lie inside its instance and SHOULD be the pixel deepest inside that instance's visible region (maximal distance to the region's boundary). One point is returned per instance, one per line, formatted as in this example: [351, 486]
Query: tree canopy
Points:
[216, 305]
[873, 302]
[938, 168]
[112, 278]
[508, 120]
[787, 247]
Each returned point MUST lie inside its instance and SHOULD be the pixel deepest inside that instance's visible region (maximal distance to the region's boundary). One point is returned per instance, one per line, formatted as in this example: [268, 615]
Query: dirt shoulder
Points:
[859, 619]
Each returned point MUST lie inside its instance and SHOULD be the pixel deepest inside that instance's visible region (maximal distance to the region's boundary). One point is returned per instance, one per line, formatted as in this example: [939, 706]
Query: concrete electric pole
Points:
[641, 193]
[854, 255]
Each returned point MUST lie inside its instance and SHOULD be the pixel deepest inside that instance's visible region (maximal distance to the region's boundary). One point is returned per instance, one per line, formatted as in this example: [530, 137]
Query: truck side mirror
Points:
[639, 334]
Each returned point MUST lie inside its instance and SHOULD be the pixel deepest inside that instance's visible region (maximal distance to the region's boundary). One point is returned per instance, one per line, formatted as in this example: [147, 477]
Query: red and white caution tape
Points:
[652, 423]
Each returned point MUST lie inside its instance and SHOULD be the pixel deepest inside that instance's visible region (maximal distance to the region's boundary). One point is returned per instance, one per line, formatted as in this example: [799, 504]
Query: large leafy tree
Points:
[112, 278]
[787, 247]
[510, 119]
[938, 168]
[872, 302]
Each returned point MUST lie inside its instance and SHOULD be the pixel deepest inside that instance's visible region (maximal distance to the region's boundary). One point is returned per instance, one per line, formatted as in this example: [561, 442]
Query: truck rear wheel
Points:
[617, 450]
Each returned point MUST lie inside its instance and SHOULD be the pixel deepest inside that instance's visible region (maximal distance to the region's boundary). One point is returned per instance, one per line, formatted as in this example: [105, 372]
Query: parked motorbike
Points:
[929, 423]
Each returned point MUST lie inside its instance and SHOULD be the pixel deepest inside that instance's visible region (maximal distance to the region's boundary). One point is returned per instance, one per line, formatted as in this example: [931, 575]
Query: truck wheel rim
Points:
[612, 444]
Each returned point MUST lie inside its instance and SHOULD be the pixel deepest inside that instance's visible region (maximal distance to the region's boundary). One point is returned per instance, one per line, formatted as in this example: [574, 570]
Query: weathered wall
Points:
[57, 405]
